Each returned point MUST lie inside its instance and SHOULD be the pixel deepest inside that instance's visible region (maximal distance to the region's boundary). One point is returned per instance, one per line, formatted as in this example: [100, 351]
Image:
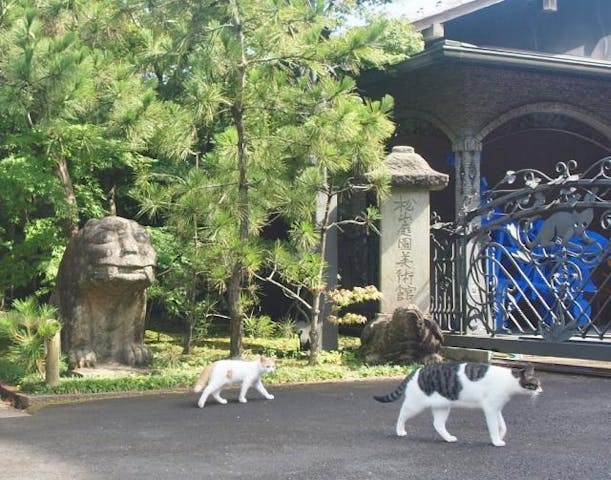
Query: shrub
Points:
[286, 328]
[122, 384]
[24, 331]
[174, 370]
[259, 327]
[343, 298]
[11, 372]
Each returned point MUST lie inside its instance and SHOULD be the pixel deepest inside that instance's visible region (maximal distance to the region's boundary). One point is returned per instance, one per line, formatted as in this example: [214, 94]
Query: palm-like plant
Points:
[24, 331]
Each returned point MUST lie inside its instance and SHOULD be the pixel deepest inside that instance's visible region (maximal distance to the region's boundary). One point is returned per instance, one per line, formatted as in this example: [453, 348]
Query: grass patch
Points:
[171, 369]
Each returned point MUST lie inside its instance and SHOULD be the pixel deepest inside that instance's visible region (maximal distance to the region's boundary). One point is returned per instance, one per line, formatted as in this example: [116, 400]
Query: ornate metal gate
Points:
[529, 270]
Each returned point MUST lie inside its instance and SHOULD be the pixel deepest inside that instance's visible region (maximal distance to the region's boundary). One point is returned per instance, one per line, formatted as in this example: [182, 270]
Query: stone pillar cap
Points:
[409, 169]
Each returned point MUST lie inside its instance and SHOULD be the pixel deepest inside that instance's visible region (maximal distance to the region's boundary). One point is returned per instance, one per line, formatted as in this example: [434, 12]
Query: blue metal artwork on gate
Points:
[533, 259]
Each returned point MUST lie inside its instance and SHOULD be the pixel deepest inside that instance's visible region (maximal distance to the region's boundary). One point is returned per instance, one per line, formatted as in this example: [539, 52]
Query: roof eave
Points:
[471, 54]
[452, 13]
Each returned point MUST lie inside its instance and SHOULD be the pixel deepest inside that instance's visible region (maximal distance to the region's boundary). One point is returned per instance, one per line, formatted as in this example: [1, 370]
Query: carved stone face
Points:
[117, 251]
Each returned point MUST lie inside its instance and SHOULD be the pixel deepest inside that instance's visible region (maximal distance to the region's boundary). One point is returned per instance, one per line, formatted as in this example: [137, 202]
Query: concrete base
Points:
[466, 354]
[111, 370]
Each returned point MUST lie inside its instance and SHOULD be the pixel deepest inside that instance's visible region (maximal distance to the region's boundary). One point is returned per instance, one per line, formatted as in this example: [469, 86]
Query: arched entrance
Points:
[538, 136]
[531, 260]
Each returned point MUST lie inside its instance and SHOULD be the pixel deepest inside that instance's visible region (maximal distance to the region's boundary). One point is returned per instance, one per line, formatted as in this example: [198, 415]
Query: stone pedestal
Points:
[405, 240]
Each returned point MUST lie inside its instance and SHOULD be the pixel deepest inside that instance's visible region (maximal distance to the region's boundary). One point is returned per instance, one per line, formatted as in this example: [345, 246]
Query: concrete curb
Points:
[561, 368]
[31, 403]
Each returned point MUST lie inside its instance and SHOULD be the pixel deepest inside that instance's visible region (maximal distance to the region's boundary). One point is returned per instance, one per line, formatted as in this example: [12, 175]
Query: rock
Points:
[101, 293]
[405, 338]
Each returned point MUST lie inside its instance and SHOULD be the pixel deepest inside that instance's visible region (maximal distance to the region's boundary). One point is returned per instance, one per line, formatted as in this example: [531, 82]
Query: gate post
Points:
[405, 225]
[467, 155]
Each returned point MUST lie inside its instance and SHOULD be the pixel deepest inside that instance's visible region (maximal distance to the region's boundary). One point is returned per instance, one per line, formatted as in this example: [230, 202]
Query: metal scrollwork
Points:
[534, 257]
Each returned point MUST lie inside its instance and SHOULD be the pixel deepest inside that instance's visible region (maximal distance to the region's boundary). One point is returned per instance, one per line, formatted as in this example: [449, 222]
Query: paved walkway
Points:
[313, 432]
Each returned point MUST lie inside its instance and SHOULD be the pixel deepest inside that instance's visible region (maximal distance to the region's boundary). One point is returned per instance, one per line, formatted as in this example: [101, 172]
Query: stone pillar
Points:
[405, 241]
[467, 155]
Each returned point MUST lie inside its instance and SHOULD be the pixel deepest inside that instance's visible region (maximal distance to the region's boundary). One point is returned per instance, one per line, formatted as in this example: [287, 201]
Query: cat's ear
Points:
[517, 371]
[526, 371]
[262, 358]
[529, 370]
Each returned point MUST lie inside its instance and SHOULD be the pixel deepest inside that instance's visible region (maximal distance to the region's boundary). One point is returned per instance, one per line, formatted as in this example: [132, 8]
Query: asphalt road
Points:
[329, 431]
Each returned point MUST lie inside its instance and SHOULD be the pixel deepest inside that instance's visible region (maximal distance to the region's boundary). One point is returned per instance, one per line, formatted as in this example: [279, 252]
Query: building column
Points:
[467, 155]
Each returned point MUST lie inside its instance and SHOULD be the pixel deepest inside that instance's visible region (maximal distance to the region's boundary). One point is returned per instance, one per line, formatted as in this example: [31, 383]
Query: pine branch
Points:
[285, 290]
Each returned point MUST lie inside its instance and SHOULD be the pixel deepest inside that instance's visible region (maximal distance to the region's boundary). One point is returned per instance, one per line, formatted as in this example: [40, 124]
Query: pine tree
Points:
[278, 121]
[77, 120]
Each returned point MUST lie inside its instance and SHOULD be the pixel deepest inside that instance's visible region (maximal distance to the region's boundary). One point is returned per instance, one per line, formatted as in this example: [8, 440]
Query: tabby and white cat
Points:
[442, 386]
[223, 373]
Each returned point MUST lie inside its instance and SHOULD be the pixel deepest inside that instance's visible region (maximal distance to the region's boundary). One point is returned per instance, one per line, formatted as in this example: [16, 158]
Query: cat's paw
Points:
[201, 403]
[498, 443]
[401, 433]
[242, 400]
[450, 438]
[270, 397]
[222, 401]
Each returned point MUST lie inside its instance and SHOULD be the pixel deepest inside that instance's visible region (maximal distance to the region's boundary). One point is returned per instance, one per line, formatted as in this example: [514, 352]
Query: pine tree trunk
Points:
[69, 224]
[186, 349]
[237, 275]
[314, 332]
[112, 201]
[236, 325]
[319, 293]
[193, 294]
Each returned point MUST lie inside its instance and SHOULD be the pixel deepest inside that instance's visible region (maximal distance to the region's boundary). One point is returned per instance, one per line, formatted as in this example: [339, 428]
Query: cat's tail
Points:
[203, 379]
[395, 394]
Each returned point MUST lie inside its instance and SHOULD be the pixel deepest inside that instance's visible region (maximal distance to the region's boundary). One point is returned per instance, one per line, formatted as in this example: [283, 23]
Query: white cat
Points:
[441, 386]
[222, 373]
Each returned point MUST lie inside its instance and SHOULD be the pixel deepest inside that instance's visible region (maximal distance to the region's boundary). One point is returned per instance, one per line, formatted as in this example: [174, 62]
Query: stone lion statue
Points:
[101, 293]
[404, 338]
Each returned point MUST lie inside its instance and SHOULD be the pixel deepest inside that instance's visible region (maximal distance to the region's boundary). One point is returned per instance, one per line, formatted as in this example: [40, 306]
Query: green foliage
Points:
[23, 333]
[211, 118]
[278, 119]
[77, 121]
[122, 384]
[287, 328]
[343, 298]
[259, 327]
[169, 358]
[10, 372]
[181, 291]
[173, 370]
